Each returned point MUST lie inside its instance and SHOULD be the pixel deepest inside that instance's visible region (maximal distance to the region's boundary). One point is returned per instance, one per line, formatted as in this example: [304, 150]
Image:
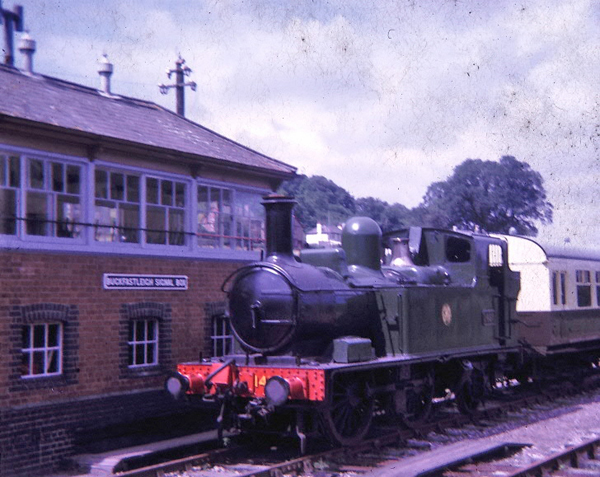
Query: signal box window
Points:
[584, 288]
[53, 201]
[165, 211]
[227, 223]
[117, 212]
[458, 250]
[143, 343]
[559, 288]
[10, 180]
[42, 350]
[215, 217]
[222, 338]
[249, 220]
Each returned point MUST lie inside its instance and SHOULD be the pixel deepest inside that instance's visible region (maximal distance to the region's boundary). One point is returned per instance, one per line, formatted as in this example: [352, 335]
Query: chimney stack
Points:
[280, 239]
[27, 48]
[105, 70]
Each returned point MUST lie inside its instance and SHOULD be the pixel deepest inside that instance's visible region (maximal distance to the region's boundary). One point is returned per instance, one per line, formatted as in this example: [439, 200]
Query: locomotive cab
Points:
[448, 279]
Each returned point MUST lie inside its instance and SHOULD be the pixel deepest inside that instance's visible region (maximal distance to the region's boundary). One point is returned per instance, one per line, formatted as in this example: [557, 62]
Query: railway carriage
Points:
[559, 306]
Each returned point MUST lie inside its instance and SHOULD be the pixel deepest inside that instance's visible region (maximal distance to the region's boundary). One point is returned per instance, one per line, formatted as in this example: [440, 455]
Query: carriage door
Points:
[507, 283]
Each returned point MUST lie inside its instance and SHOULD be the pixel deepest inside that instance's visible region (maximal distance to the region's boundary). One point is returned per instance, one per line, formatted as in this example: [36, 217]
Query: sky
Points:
[383, 97]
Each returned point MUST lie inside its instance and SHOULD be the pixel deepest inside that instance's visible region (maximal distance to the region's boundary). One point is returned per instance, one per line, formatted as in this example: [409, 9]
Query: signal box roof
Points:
[76, 109]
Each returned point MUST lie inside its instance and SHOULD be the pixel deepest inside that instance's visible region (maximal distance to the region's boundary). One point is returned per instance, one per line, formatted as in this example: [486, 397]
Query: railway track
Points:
[581, 460]
[389, 445]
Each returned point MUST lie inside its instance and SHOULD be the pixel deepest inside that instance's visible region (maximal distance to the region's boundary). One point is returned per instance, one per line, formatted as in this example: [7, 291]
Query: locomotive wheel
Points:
[419, 403]
[349, 411]
[470, 392]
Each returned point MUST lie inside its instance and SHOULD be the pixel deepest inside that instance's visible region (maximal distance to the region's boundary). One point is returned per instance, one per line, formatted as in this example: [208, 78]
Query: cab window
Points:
[458, 250]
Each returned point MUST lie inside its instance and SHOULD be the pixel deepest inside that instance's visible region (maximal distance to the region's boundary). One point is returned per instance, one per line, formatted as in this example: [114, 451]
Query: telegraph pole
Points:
[181, 71]
[13, 20]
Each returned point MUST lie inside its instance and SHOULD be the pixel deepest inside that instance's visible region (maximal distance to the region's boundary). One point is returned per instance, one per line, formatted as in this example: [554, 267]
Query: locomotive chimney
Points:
[279, 225]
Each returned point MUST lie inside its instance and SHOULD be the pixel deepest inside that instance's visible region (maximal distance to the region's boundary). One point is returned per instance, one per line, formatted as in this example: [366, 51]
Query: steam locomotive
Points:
[380, 325]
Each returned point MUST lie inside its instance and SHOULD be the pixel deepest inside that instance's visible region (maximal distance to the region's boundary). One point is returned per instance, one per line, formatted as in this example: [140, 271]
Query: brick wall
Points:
[36, 440]
[46, 412]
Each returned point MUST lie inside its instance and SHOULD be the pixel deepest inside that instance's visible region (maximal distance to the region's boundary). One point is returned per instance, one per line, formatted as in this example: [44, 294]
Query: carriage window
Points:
[458, 250]
[584, 288]
[559, 288]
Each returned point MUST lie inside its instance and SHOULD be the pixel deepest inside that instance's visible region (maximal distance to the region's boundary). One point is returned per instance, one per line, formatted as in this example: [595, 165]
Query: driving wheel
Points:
[349, 411]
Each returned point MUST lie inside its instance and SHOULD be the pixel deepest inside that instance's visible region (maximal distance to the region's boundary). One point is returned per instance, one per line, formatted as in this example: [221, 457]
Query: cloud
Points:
[381, 97]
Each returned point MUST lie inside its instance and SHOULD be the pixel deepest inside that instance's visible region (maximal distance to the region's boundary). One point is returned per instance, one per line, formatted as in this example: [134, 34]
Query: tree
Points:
[319, 200]
[389, 217]
[494, 196]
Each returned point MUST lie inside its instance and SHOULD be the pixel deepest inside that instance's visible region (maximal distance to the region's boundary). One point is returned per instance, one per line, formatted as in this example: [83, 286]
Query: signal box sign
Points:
[120, 281]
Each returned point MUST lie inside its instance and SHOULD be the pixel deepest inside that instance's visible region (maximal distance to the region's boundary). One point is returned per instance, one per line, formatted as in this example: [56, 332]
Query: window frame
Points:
[45, 349]
[232, 241]
[246, 248]
[52, 196]
[133, 344]
[597, 277]
[583, 280]
[7, 185]
[559, 288]
[457, 249]
[168, 208]
[38, 314]
[120, 205]
[221, 338]
[51, 222]
[155, 311]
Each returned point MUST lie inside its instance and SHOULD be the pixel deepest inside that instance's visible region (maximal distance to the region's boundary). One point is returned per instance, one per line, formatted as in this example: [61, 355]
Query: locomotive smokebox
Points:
[361, 239]
[282, 305]
[279, 228]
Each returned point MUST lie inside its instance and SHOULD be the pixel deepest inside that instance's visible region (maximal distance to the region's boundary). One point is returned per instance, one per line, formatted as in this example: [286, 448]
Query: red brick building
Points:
[119, 221]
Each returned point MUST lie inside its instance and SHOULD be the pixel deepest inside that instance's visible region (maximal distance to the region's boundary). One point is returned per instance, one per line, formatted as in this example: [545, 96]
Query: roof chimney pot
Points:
[105, 70]
[27, 48]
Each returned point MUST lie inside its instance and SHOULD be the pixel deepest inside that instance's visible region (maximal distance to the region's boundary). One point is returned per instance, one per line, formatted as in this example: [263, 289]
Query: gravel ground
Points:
[548, 428]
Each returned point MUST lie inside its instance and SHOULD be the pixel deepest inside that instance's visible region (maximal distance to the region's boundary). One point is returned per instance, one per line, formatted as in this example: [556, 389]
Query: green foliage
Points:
[389, 217]
[493, 196]
[319, 200]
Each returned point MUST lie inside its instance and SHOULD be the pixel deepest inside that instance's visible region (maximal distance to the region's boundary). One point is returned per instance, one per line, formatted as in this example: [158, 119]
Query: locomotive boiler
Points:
[382, 322]
[285, 306]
